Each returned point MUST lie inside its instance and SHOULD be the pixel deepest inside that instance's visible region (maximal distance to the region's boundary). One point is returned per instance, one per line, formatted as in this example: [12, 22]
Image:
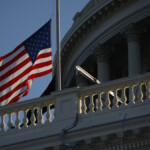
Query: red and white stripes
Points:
[17, 73]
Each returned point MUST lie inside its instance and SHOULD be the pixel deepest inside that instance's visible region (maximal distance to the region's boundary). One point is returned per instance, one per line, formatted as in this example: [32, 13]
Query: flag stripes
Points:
[18, 73]
[31, 59]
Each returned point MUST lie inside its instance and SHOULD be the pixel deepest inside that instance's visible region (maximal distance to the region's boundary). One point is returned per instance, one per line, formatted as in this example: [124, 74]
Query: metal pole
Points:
[58, 73]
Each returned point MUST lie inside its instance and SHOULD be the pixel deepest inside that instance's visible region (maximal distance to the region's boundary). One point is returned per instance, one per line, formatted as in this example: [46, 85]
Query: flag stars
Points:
[40, 40]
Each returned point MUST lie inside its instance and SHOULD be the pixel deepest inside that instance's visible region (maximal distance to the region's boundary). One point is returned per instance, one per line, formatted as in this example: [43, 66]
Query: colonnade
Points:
[103, 51]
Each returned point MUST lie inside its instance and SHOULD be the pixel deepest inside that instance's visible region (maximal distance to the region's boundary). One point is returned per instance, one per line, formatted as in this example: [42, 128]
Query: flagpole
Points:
[58, 73]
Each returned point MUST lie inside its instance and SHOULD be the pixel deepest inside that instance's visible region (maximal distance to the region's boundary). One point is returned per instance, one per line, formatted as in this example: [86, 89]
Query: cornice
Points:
[83, 20]
[136, 134]
[88, 11]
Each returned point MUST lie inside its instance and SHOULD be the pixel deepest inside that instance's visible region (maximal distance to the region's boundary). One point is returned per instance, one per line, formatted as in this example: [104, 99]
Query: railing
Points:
[100, 103]
[115, 94]
[26, 114]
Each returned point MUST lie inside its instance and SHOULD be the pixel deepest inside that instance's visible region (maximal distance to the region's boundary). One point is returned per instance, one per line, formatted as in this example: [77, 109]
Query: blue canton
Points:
[38, 41]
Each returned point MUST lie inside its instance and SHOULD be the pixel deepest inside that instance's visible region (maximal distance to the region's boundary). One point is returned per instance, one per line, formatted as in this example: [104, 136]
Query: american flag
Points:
[31, 59]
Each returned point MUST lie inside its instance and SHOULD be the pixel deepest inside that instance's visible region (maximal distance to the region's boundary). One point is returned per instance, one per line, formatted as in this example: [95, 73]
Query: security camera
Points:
[87, 75]
[90, 77]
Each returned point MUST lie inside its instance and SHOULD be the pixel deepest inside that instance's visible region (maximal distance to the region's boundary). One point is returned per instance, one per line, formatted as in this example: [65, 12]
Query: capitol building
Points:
[110, 40]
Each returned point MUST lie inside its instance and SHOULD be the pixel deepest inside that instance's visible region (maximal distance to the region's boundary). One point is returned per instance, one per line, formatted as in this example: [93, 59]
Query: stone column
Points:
[102, 53]
[134, 54]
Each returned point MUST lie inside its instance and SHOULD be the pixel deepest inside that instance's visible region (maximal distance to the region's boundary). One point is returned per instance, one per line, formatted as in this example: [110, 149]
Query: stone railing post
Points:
[66, 104]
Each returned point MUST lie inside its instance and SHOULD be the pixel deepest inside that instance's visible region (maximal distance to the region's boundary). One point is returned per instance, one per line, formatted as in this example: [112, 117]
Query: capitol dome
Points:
[109, 39]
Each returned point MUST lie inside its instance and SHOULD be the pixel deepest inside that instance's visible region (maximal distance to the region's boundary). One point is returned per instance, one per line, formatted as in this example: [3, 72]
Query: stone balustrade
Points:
[115, 94]
[96, 105]
[20, 115]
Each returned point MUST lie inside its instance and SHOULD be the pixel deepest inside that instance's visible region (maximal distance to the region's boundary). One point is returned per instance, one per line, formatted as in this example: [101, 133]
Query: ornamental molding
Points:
[105, 36]
[88, 11]
[132, 32]
[82, 21]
